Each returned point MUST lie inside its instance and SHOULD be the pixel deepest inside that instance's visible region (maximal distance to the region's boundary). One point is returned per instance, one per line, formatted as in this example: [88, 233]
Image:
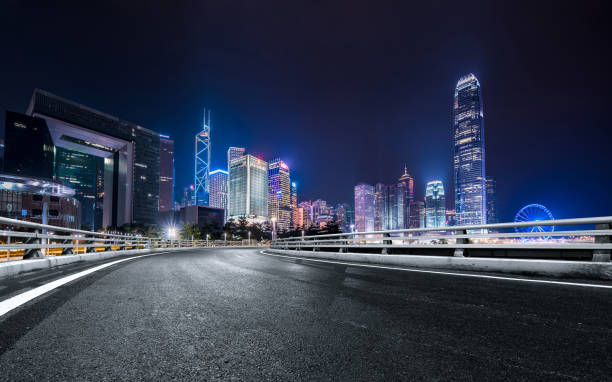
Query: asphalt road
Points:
[239, 315]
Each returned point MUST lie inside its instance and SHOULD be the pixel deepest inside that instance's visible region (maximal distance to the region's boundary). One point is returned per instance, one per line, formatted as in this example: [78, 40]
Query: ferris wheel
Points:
[531, 213]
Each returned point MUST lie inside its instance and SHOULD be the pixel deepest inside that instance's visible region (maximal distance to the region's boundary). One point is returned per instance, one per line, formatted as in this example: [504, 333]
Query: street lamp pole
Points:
[273, 228]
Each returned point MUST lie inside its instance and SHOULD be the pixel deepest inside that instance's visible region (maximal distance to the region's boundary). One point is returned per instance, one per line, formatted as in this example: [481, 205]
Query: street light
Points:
[207, 240]
[273, 228]
[224, 238]
[249, 237]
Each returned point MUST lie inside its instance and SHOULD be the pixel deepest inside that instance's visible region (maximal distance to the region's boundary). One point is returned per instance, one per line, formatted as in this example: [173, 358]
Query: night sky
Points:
[343, 91]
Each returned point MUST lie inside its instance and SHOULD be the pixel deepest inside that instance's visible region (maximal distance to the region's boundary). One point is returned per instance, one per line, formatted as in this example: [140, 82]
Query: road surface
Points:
[237, 314]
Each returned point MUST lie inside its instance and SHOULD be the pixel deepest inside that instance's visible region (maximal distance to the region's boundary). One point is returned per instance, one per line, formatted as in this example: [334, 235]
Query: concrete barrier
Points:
[12, 268]
[551, 268]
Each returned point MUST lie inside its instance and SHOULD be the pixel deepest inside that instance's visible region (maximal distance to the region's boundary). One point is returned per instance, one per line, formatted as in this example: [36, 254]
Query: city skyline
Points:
[406, 113]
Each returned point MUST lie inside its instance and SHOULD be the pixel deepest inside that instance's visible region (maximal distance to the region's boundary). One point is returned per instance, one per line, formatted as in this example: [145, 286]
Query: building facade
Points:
[166, 173]
[279, 194]
[491, 186]
[126, 182]
[435, 205]
[364, 207]
[294, 207]
[218, 189]
[306, 213]
[381, 207]
[341, 214]
[233, 153]
[417, 214]
[408, 182]
[469, 152]
[248, 189]
[202, 162]
[397, 206]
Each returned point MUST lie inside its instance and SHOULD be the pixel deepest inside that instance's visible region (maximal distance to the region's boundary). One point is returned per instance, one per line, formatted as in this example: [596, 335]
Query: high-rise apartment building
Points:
[491, 186]
[166, 173]
[364, 207]
[435, 205]
[469, 152]
[202, 162]
[218, 189]
[279, 194]
[248, 189]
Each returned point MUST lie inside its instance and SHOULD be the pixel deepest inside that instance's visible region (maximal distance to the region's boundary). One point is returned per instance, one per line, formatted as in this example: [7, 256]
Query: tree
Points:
[190, 230]
[331, 227]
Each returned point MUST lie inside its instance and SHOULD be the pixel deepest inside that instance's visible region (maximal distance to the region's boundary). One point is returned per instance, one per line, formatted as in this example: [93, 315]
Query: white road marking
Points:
[444, 273]
[16, 301]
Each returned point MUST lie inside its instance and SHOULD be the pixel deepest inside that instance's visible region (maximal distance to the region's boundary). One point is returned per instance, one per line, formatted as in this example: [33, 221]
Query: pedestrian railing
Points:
[27, 240]
[581, 239]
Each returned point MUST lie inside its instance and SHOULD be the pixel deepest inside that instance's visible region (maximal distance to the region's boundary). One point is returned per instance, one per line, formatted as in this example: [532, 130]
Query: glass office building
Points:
[166, 173]
[218, 189]
[469, 152]
[364, 207]
[279, 194]
[491, 184]
[435, 205]
[248, 189]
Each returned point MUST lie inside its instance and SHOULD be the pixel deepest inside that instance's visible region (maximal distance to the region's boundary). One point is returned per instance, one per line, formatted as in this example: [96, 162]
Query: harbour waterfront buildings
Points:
[248, 189]
[279, 194]
[469, 152]
[435, 205]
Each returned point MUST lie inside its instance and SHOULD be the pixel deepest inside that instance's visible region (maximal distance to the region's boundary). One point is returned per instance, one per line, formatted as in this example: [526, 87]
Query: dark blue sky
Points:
[344, 92]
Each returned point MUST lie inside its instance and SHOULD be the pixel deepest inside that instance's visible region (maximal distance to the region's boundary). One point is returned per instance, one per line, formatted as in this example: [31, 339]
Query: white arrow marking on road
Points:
[444, 273]
[16, 301]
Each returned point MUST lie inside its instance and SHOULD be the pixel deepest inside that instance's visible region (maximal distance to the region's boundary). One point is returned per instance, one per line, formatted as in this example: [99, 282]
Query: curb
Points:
[550, 268]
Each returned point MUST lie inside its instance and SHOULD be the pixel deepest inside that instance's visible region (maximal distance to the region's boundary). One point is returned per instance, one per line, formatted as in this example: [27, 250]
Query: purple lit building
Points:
[364, 207]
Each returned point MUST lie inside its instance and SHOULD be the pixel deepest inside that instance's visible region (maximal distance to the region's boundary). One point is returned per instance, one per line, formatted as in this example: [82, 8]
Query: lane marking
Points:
[443, 272]
[16, 301]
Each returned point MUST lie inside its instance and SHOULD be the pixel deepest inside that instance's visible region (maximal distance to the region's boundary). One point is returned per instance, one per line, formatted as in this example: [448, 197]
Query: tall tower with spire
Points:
[408, 181]
[202, 162]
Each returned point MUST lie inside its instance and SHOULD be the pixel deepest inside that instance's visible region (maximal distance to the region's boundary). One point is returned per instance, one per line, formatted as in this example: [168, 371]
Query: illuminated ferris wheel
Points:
[531, 213]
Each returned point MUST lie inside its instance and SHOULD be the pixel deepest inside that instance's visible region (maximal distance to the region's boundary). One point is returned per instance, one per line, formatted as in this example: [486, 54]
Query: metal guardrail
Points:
[592, 240]
[27, 240]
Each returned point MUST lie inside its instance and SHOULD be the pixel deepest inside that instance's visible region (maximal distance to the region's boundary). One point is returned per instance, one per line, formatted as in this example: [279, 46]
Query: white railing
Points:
[25, 240]
[586, 238]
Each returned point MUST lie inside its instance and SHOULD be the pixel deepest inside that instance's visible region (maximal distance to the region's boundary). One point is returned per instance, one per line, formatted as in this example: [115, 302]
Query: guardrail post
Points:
[33, 253]
[461, 252]
[602, 255]
[67, 250]
[385, 250]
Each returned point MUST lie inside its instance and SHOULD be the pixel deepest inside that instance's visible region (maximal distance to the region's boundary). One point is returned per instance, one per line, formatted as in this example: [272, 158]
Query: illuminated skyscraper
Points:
[435, 205]
[218, 189]
[341, 211]
[491, 200]
[295, 221]
[306, 217]
[166, 173]
[279, 194]
[469, 152]
[248, 189]
[233, 153]
[202, 162]
[397, 206]
[381, 207]
[408, 181]
[364, 207]
[417, 214]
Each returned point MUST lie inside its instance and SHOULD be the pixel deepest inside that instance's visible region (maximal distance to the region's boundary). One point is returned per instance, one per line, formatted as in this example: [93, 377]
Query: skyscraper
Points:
[408, 181]
[491, 200]
[435, 205]
[469, 152]
[417, 214]
[202, 162]
[294, 207]
[233, 153]
[166, 173]
[248, 189]
[306, 217]
[279, 194]
[364, 207]
[397, 206]
[341, 211]
[381, 207]
[218, 189]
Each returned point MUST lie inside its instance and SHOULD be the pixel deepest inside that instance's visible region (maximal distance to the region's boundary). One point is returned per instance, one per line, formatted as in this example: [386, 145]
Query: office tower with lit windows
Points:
[408, 182]
[381, 207]
[341, 215]
[397, 206]
[248, 189]
[218, 189]
[417, 214]
[188, 198]
[166, 173]
[364, 207]
[279, 194]
[469, 152]
[491, 186]
[319, 208]
[306, 216]
[233, 153]
[202, 162]
[435, 205]
[294, 207]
